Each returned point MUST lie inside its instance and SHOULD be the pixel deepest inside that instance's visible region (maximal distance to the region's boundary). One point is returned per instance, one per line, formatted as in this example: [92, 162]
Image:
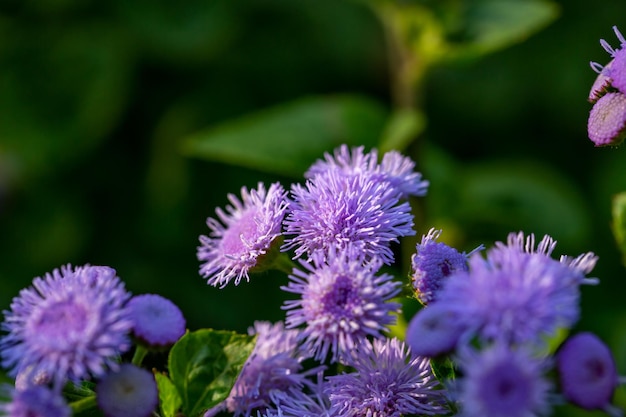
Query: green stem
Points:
[284, 263]
[140, 353]
[84, 404]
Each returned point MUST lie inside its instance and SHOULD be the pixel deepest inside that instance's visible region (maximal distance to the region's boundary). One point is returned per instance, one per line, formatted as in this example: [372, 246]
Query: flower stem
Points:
[140, 353]
[284, 263]
[84, 404]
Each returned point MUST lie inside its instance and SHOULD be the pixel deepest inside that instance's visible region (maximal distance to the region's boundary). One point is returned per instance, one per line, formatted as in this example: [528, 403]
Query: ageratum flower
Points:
[275, 365]
[432, 263]
[338, 210]
[72, 323]
[342, 302]
[435, 330]
[615, 71]
[35, 401]
[388, 381]
[157, 321]
[587, 373]
[312, 403]
[502, 382]
[516, 292]
[607, 120]
[394, 168]
[249, 233]
[129, 392]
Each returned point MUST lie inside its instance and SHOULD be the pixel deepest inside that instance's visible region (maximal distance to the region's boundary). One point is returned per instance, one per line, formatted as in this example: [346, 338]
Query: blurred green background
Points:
[99, 100]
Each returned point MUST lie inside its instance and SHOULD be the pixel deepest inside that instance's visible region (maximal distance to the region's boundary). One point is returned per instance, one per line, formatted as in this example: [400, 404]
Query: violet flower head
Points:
[616, 70]
[342, 302]
[432, 263]
[394, 168]
[157, 321]
[37, 401]
[338, 210]
[435, 330]
[516, 292]
[502, 382]
[275, 365]
[70, 324]
[128, 392]
[247, 233]
[388, 381]
[313, 402]
[587, 372]
[606, 125]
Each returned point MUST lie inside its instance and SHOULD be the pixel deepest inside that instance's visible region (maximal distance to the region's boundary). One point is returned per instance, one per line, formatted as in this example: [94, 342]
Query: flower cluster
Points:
[74, 325]
[607, 119]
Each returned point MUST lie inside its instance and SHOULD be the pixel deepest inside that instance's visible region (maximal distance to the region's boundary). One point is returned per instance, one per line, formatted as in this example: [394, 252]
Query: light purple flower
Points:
[312, 402]
[518, 293]
[435, 330]
[432, 263]
[157, 321]
[128, 392]
[275, 365]
[72, 323]
[342, 302]
[607, 120]
[616, 70]
[587, 373]
[394, 168]
[338, 210]
[246, 233]
[502, 382]
[388, 381]
[35, 401]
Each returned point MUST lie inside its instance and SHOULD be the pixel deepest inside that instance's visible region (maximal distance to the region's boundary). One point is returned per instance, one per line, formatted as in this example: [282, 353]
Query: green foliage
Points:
[169, 399]
[204, 365]
[619, 223]
[288, 138]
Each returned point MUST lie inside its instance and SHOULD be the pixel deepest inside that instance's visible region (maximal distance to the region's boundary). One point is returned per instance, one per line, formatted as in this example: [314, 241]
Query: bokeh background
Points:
[98, 99]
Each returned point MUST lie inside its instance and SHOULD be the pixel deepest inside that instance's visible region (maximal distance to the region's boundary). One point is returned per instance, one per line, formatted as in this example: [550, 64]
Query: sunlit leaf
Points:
[169, 399]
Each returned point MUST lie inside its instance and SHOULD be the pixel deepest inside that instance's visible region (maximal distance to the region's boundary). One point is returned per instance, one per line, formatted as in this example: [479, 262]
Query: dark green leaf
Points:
[169, 399]
[204, 365]
[286, 139]
[619, 223]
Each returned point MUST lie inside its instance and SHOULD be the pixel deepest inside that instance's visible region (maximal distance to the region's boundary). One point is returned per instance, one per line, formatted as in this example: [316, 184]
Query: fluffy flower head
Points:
[389, 381]
[129, 392]
[69, 324]
[435, 330]
[607, 120]
[501, 382]
[245, 234]
[616, 70]
[35, 401]
[342, 302]
[157, 321]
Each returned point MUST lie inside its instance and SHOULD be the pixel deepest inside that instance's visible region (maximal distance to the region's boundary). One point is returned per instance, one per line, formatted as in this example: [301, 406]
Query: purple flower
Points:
[615, 71]
[274, 366]
[502, 382]
[435, 330]
[394, 168]
[587, 372]
[35, 401]
[312, 403]
[249, 232]
[338, 210]
[157, 321]
[70, 324]
[128, 392]
[388, 381]
[342, 302]
[517, 293]
[432, 263]
[607, 120]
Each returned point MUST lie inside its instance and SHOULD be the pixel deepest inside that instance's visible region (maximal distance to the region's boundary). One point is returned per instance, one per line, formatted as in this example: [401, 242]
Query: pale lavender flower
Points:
[606, 125]
[275, 365]
[34, 401]
[388, 381]
[313, 402]
[342, 302]
[587, 373]
[72, 323]
[245, 234]
[435, 330]
[502, 382]
[518, 293]
[157, 321]
[432, 263]
[616, 70]
[337, 210]
[394, 168]
[128, 392]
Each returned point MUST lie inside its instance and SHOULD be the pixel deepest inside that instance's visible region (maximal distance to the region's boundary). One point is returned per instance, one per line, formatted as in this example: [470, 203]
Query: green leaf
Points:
[619, 222]
[491, 25]
[168, 396]
[287, 138]
[204, 365]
